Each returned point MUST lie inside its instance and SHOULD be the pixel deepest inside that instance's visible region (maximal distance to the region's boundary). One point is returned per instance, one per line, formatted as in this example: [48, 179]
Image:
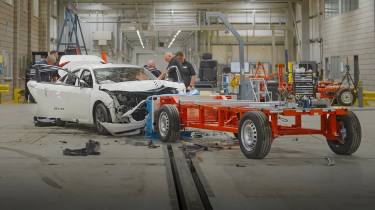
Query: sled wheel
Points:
[255, 135]
[168, 123]
[345, 97]
[350, 135]
[101, 114]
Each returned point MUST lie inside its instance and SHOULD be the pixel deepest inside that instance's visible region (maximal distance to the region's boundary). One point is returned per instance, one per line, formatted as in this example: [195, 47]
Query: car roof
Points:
[89, 61]
[104, 66]
[80, 58]
[110, 65]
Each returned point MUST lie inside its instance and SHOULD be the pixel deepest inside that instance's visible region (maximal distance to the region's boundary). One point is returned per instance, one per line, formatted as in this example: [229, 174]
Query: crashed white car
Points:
[110, 96]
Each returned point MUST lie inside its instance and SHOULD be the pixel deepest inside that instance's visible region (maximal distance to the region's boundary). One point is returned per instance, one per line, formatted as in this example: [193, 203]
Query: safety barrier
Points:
[4, 88]
[368, 96]
[17, 95]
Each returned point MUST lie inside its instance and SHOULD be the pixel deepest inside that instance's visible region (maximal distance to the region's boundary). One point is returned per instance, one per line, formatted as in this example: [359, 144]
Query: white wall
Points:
[141, 56]
[89, 28]
[226, 53]
[352, 34]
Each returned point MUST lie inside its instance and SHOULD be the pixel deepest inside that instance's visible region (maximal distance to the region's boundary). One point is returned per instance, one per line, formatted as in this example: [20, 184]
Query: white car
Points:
[110, 96]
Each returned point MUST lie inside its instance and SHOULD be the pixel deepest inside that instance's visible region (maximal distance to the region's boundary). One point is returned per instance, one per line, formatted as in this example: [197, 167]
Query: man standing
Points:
[173, 67]
[188, 72]
[151, 66]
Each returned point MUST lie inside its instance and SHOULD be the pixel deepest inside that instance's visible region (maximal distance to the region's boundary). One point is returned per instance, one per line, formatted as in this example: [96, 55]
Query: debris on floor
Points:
[330, 162]
[151, 145]
[240, 165]
[92, 148]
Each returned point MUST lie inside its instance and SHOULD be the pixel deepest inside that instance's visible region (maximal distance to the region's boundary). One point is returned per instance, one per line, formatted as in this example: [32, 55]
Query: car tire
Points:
[255, 135]
[36, 121]
[168, 123]
[345, 97]
[60, 123]
[353, 135]
[101, 114]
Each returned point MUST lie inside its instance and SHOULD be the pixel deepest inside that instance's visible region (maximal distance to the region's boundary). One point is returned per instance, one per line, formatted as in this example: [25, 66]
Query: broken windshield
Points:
[121, 74]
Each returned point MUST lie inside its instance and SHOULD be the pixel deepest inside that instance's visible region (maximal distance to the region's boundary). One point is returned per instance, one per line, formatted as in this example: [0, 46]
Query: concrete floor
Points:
[35, 175]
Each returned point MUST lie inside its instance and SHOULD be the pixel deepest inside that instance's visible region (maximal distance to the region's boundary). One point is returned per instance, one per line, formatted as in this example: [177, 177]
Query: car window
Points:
[122, 74]
[63, 78]
[86, 76]
[71, 79]
[76, 72]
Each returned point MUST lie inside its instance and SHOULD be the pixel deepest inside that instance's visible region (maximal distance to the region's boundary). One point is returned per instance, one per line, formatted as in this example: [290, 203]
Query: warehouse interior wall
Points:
[23, 29]
[336, 39]
[349, 34]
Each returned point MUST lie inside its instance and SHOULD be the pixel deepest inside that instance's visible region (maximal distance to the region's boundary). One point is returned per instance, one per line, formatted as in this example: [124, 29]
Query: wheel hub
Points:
[99, 115]
[249, 135]
[163, 124]
[347, 97]
[342, 132]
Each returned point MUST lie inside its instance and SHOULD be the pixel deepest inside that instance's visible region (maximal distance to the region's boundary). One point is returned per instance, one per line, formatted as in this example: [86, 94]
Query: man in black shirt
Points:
[174, 68]
[151, 66]
[187, 72]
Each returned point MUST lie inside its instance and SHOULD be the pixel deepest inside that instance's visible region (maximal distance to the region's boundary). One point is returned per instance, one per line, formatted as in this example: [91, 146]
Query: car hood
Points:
[145, 85]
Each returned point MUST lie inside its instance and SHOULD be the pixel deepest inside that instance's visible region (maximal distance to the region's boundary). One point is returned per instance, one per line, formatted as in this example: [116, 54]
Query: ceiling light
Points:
[174, 38]
[140, 39]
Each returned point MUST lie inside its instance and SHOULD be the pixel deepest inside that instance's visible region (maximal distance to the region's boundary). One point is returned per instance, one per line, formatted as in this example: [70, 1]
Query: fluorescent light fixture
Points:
[140, 39]
[174, 38]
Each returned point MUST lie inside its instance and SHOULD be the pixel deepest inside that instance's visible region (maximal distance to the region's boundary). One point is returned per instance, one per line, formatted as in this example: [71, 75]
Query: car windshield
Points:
[121, 74]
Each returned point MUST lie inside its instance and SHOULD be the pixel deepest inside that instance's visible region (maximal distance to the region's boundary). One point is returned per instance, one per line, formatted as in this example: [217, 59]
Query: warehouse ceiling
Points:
[159, 21]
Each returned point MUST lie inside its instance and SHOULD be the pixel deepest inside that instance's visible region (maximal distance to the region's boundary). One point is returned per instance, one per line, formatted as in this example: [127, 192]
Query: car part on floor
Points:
[92, 148]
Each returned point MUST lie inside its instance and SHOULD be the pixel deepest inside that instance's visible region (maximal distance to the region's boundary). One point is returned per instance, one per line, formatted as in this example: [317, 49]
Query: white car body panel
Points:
[75, 104]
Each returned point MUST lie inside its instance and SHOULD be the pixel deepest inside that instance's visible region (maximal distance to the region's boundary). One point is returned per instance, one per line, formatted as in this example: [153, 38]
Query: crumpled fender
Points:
[124, 129]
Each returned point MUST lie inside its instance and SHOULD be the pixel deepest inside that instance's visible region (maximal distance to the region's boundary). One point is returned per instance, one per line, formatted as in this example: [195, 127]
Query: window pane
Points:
[337, 7]
[332, 8]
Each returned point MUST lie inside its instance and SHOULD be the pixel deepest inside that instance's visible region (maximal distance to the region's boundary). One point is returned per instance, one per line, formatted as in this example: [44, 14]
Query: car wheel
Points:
[101, 114]
[168, 123]
[350, 135]
[255, 135]
[60, 123]
[36, 121]
[345, 97]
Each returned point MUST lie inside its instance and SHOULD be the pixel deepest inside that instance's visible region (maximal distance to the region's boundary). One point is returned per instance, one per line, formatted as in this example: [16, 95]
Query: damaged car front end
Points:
[129, 109]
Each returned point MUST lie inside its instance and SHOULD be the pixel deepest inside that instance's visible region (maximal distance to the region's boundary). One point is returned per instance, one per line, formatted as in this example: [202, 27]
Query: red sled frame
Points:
[220, 113]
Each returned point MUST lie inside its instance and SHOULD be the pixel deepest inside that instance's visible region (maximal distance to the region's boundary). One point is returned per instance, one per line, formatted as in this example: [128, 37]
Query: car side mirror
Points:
[83, 84]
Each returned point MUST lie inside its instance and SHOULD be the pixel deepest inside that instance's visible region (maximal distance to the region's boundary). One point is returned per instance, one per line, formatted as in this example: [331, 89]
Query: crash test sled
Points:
[255, 124]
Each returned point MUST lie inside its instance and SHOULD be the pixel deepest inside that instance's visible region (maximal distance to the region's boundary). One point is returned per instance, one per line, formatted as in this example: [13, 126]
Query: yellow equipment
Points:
[4, 88]
[235, 82]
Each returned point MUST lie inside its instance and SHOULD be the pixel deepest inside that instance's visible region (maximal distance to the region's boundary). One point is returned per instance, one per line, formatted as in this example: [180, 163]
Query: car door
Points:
[45, 96]
[85, 92]
[67, 96]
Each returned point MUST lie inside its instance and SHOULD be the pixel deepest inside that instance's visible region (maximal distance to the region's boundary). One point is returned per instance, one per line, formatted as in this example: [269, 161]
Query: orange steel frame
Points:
[226, 118]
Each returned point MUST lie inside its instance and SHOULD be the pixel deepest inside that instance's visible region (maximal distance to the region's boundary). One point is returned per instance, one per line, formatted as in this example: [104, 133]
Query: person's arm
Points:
[162, 75]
